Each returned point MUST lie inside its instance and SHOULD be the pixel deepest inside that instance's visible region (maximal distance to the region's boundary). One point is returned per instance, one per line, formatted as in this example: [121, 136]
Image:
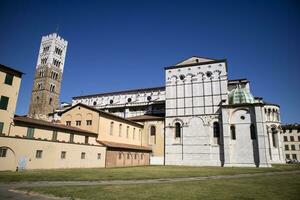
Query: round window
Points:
[242, 117]
[111, 101]
[181, 77]
[208, 74]
[95, 103]
[149, 98]
[129, 100]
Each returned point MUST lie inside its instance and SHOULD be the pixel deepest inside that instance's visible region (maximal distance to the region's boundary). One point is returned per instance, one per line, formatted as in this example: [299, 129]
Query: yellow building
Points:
[122, 137]
[10, 80]
[153, 132]
[38, 144]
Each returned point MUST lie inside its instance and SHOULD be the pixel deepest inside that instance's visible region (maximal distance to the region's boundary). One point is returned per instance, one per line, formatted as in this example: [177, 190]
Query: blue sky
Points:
[116, 45]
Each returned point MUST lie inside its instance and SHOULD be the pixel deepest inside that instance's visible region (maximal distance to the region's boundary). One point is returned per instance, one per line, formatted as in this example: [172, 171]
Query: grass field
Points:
[148, 172]
[261, 187]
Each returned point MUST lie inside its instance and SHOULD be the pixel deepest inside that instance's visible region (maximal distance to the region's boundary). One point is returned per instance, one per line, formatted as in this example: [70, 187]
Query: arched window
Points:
[120, 130]
[50, 101]
[127, 132]
[252, 132]
[152, 131]
[152, 139]
[274, 137]
[232, 131]
[177, 130]
[216, 129]
[111, 128]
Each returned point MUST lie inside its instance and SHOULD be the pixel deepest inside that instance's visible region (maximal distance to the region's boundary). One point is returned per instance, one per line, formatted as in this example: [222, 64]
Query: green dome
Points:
[240, 95]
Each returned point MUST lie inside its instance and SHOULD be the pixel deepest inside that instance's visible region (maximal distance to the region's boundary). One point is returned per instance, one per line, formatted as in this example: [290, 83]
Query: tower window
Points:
[4, 102]
[9, 79]
[52, 88]
[177, 130]
[44, 61]
[58, 51]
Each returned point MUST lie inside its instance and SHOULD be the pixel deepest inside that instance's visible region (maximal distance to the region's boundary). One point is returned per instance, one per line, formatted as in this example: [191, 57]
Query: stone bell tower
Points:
[48, 76]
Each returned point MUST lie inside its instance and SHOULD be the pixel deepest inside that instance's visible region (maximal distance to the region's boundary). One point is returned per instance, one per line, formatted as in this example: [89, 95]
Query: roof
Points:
[121, 92]
[194, 59]
[51, 125]
[123, 146]
[145, 118]
[290, 126]
[235, 81]
[103, 113]
[187, 63]
[11, 70]
[271, 104]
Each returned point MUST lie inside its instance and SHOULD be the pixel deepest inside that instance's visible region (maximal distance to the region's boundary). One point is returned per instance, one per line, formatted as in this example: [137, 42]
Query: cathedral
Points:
[198, 118]
[208, 119]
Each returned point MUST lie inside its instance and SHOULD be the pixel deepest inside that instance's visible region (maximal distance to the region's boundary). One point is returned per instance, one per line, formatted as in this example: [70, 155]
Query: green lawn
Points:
[148, 172]
[261, 187]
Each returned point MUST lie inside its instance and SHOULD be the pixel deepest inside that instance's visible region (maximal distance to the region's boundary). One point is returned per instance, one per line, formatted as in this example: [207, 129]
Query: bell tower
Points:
[48, 76]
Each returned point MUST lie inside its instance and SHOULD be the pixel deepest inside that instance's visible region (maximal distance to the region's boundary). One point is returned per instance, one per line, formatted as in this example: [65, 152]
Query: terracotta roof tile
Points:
[122, 145]
[145, 118]
[50, 124]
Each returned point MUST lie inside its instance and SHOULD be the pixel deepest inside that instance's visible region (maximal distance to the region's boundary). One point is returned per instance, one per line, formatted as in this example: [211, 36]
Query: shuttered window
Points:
[9, 79]
[3, 102]
[30, 132]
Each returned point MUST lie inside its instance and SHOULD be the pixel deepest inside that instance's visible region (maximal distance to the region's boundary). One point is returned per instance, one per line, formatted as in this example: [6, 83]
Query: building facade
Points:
[208, 119]
[122, 137]
[291, 140]
[10, 81]
[48, 76]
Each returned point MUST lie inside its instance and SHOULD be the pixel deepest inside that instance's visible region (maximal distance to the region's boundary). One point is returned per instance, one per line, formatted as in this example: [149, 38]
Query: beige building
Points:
[122, 137]
[153, 136]
[10, 81]
[291, 140]
[38, 144]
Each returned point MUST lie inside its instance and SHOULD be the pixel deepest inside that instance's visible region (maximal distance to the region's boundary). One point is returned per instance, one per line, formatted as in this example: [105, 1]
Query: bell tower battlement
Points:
[48, 76]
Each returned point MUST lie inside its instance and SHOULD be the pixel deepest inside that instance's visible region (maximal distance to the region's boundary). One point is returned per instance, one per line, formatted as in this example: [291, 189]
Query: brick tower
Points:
[48, 76]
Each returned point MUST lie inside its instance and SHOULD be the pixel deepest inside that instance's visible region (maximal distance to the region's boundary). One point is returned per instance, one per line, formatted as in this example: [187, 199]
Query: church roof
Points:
[194, 61]
[122, 92]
